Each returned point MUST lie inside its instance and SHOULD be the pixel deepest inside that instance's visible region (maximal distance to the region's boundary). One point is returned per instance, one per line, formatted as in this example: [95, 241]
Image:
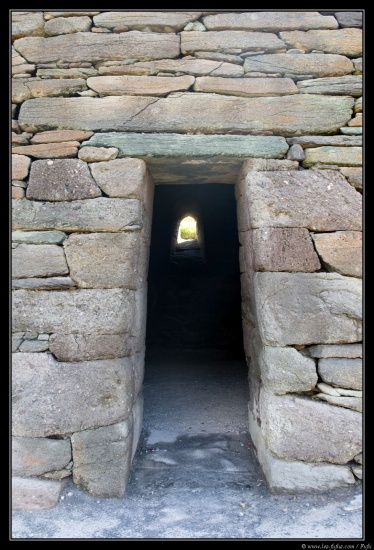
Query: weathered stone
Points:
[243, 41]
[349, 18]
[20, 167]
[17, 339]
[354, 403]
[31, 88]
[156, 21]
[46, 283]
[48, 150]
[76, 72]
[20, 139]
[194, 26]
[341, 85]
[316, 141]
[269, 21]
[71, 396]
[353, 175]
[342, 41]
[22, 71]
[358, 458]
[358, 65]
[345, 373]
[33, 457]
[35, 494]
[38, 237]
[62, 25]
[38, 260]
[357, 470]
[20, 90]
[358, 105]
[90, 47]
[298, 428]
[215, 56]
[329, 305]
[27, 23]
[85, 347]
[340, 251]
[296, 152]
[19, 183]
[350, 393]
[137, 414]
[61, 180]
[56, 136]
[33, 346]
[181, 112]
[121, 177]
[17, 192]
[263, 164]
[319, 201]
[254, 87]
[278, 249]
[343, 350]
[356, 121]
[188, 65]
[88, 93]
[327, 389]
[97, 154]
[139, 85]
[115, 215]
[333, 155]
[351, 131]
[101, 311]
[102, 459]
[51, 14]
[316, 65]
[107, 260]
[17, 59]
[175, 145]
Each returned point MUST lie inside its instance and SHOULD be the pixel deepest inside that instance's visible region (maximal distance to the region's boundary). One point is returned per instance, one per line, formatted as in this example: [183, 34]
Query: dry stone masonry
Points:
[106, 104]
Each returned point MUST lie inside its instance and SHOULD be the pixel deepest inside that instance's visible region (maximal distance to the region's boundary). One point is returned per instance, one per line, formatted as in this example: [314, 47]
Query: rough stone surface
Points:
[104, 311]
[345, 373]
[44, 283]
[38, 237]
[299, 428]
[90, 47]
[97, 154]
[62, 25]
[181, 112]
[333, 155]
[254, 87]
[319, 201]
[296, 152]
[56, 150]
[192, 41]
[269, 21]
[35, 494]
[358, 105]
[31, 88]
[353, 175]
[27, 23]
[17, 192]
[273, 165]
[38, 260]
[219, 57]
[33, 346]
[315, 65]
[342, 85]
[317, 141]
[139, 85]
[121, 177]
[278, 249]
[20, 167]
[354, 403]
[156, 21]
[75, 72]
[188, 65]
[61, 180]
[358, 458]
[343, 350]
[329, 304]
[107, 260]
[340, 251]
[357, 470]
[85, 347]
[20, 139]
[36, 456]
[71, 396]
[342, 41]
[102, 459]
[116, 215]
[349, 18]
[56, 136]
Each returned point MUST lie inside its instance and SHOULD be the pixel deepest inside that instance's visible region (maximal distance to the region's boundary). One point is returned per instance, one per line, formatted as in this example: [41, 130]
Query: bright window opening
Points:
[187, 229]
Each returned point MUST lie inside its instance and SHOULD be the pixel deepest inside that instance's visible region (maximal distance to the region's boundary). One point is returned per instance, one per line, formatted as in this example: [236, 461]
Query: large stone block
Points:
[195, 41]
[342, 41]
[249, 87]
[27, 23]
[102, 459]
[68, 397]
[139, 85]
[341, 372]
[156, 21]
[38, 260]
[120, 177]
[85, 347]
[88, 215]
[269, 21]
[300, 428]
[67, 25]
[278, 249]
[107, 260]
[341, 251]
[35, 494]
[36, 456]
[181, 112]
[20, 167]
[338, 156]
[317, 200]
[61, 180]
[188, 65]
[343, 350]
[328, 304]
[317, 65]
[93, 47]
[342, 85]
[106, 311]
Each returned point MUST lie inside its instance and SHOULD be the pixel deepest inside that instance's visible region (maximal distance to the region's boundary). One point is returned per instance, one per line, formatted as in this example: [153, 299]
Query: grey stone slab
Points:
[33, 346]
[317, 141]
[341, 251]
[70, 396]
[341, 41]
[269, 21]
[156, 21]
[317, 65]
[38, 260]
[139, 85]
[20, 167]
[354, 403]
[74, 72]
[87, 215]
[349, 19]
[38, 237]
[35, 494]
[342, 85]
[67, 25]
[328, 304]
[341, 372]
[43, 283]
[192, 41]
[349, 131]
[85, 347]
[36, 456]
[296, 152]
[337, 350]
[338, 156]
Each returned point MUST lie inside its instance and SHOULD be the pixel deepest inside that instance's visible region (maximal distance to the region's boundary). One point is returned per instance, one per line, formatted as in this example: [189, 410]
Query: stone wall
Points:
[103, 105]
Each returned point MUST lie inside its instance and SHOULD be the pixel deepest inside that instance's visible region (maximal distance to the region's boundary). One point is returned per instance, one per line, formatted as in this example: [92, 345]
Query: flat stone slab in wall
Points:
[341, 251]
[329, 305]
[349, 18]
[195, 41]
[85, 347]
[67, 25]
[71, 396]
[298, 428]
[20, 167]
[250, 87]
[102, 459]
[97, 154]
[102, 311]
[123, 177]
[314, 64]
[80, 215]
[270, 21]
[23, 89]
[317, 141]
[354, 403]
[342, 85]
[38, 260]
[341, 41]
[333, 155]
[35, 494]
[189, 65]
[36, 456]
[156, 21]
[318, 200]
[56, 150]
[342, 350]
[345, 373]
[38, 237]
[93, 47]
[56, 136]
[43, 283]
[182, 112]
[139, 85]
